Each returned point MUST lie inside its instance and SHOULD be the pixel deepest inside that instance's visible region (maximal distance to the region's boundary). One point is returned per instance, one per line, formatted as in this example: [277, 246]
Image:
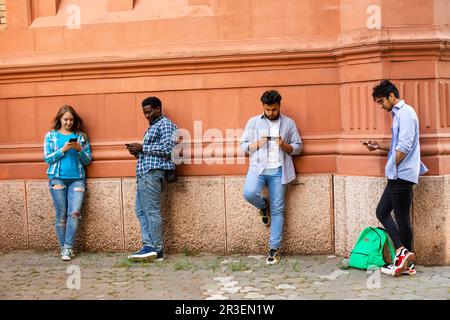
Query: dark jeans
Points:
[398, 196]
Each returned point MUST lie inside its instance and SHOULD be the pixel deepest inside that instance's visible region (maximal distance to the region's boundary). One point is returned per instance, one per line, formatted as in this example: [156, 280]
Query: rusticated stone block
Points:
[309, 216]
[41, 216]
[308, 225]
[193, 212]
[13, 217]
[356, 200]
[355, 203]
[431, 220]
[245, 231]
[194, 217]
[132, 229]
[102, 220]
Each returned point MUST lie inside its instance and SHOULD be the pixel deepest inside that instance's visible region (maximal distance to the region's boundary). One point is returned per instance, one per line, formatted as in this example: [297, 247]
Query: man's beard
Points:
[274, 118]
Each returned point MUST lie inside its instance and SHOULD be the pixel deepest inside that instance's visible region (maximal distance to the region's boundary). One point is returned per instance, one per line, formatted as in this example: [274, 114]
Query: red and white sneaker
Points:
[402, 262]
[411, 270]
[389, 269]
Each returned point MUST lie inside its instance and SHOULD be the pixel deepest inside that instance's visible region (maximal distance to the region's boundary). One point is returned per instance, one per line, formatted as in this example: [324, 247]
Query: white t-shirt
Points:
[273, 158]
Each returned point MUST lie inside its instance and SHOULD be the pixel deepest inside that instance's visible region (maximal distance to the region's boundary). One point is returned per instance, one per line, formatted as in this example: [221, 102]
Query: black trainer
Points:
[159, 256]
[265, 213]
[273, 257]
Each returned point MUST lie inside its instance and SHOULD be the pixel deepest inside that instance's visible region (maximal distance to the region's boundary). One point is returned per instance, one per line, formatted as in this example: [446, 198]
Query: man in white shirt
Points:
[271, 139]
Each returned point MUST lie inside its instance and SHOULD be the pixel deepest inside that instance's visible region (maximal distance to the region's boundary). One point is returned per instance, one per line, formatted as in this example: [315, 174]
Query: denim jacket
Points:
[52, 154]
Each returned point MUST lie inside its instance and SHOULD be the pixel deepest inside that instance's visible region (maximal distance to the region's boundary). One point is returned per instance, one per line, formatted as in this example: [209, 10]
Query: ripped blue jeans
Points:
[68, 196]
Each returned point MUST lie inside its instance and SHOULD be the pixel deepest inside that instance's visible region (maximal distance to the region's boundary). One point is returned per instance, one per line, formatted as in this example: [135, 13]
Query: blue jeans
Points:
[252, 193]
[68, 196]
[148, 208]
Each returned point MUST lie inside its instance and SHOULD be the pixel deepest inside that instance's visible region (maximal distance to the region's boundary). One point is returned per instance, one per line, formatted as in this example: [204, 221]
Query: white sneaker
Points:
[402, 262]
[387, 269]
[411, 270]
[67, 254]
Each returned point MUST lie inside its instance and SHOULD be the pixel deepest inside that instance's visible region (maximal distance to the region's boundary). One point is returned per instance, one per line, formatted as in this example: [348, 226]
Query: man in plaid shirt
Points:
[154, 158]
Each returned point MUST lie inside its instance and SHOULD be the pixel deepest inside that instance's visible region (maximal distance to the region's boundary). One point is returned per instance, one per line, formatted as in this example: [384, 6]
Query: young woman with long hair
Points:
[67, 151]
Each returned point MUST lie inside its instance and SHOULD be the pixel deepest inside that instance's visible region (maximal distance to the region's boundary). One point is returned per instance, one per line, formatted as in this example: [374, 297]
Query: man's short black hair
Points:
[384, 89]
[154, 102]
[271, 97]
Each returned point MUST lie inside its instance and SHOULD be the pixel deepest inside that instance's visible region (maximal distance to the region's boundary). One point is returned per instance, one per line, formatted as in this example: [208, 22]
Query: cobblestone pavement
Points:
[43, 275]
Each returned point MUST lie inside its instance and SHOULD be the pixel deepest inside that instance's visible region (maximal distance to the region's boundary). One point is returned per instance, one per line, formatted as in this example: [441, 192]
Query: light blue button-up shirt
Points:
[405, 138]
[53, 154]
[256, 128]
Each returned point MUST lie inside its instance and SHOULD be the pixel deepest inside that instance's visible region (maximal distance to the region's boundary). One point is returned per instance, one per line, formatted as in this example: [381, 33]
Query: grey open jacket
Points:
[256, 128]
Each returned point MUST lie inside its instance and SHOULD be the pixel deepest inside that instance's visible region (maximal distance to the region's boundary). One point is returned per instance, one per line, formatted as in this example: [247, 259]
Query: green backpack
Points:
[368, 250]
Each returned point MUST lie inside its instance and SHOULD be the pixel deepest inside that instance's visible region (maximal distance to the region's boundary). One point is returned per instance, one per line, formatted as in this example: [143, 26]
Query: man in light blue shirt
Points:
[271, 139]
[402, 170]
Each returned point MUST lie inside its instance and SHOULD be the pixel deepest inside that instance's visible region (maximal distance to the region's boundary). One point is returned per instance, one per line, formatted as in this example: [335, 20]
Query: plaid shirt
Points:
[52, 154]
[159, 140]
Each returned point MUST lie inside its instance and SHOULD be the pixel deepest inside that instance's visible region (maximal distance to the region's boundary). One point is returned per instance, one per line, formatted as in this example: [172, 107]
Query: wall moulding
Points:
[431, 145]
[157, 67]
[83, 67]
[405, 50]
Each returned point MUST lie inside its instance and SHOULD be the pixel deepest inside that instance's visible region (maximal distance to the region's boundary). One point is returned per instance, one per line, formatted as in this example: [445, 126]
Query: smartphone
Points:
[367, 144]
[73, 140]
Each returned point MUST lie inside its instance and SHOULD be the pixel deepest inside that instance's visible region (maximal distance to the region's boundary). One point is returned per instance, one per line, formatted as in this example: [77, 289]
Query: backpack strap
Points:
[374, 230]
[389, 243]
[391, 248]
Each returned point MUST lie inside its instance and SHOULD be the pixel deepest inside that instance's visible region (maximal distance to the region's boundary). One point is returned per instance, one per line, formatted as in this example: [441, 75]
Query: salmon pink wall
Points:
[209, 61]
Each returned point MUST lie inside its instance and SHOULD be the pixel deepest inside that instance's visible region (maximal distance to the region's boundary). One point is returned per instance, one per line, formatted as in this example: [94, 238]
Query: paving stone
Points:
[229, 284]
[276, 297]
[217, 297]
[284, 286]
[250, 289]
[230, 289]
[254, 295]
[42, 275]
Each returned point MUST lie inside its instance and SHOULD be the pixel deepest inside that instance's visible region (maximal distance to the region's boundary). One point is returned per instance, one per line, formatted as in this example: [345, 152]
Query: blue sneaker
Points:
[146, 254]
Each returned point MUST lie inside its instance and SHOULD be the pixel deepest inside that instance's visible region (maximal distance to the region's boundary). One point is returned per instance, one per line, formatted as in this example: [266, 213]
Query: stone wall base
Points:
[324, 215]
[200, 214]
